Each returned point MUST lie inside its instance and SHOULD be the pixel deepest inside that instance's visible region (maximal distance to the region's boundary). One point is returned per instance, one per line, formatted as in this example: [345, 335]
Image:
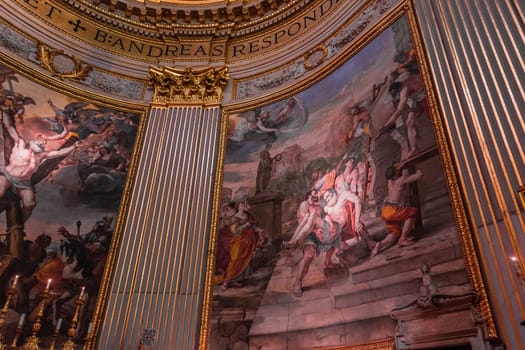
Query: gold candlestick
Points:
[18, 333]
[55, 334]
[72, 331]
[3, 313]
[54, 339]
[32, 342]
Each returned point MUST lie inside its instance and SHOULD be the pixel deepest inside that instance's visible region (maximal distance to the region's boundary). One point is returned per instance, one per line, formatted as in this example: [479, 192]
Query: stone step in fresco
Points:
[313, 320]
[444, 275]
[436, 248]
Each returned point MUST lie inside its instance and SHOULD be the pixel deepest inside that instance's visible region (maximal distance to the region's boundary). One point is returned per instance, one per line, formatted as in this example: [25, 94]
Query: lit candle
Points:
[82, 291]
[48, 283]
[518, 270]
[22, 319]
[16, 280]
[515, 264]
[59, 324]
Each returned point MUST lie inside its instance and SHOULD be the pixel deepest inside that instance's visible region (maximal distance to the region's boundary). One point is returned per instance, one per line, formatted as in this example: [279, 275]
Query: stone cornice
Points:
[165, 19]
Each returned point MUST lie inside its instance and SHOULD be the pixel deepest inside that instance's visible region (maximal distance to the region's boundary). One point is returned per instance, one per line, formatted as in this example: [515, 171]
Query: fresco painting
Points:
[334, 204]
[63, 165]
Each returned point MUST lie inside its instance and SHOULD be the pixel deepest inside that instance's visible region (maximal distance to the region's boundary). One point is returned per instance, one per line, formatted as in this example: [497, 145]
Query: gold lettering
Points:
[200, 51]
[313, 19]
[241, 49]
[297, 31]
[171, 50]
[185, 50]
[101, 36]
[323, 9]
[118, 43]
[133, 44]
[51, 10]
[254, 47]
[155, 51]
[278, 35]
[217, 50]
[267, 42]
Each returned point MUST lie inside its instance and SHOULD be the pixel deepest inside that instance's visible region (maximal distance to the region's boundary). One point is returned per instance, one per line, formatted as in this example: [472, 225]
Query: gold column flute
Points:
[55, 334]
[18, 333]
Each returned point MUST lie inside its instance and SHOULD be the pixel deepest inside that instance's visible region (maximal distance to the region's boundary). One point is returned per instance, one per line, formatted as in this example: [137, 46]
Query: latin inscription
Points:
[126, 45]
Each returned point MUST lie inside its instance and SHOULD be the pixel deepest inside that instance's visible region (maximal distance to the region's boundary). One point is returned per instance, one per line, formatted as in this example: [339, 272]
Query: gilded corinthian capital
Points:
[187, 86]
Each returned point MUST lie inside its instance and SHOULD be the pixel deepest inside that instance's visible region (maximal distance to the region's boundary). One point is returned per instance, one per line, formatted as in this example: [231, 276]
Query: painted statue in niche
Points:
[332, 201]
[63, 165]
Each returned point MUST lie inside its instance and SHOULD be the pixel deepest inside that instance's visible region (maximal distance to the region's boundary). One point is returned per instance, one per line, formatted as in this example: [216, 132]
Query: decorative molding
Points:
[315, 57]
[61, 64]
[184, 16]
[56, 62]
[195, 87]
[17, 43]
[110, 83]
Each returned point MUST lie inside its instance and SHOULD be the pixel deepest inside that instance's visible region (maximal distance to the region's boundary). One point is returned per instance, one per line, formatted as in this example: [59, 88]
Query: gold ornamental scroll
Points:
[155, 300]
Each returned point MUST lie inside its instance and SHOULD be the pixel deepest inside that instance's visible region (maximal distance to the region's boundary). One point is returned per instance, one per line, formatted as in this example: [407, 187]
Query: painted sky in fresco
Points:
[324, 102]
[57, 201]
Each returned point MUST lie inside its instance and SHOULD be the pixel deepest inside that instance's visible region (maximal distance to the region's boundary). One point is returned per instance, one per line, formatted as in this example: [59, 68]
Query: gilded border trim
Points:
[212, 243]
[310, 61]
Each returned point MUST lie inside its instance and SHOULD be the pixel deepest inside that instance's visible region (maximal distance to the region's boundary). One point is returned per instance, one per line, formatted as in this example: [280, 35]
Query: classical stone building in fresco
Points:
[185, 251]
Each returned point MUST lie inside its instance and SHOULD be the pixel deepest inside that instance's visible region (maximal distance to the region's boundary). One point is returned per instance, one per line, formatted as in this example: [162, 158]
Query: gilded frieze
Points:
[163, 41]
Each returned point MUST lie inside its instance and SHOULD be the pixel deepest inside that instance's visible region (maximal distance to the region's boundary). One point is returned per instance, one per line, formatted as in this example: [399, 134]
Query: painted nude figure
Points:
[23, 162]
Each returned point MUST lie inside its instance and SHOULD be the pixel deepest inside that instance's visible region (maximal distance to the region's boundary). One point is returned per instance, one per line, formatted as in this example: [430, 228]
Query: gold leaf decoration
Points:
[61, 64]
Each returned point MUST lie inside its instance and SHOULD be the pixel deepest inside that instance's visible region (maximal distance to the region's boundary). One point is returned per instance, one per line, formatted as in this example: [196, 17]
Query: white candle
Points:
[90, 327]
[16, 280]
[82, 291]
[22, 319]
[518, 270]
[48, 283]
[59, 324]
